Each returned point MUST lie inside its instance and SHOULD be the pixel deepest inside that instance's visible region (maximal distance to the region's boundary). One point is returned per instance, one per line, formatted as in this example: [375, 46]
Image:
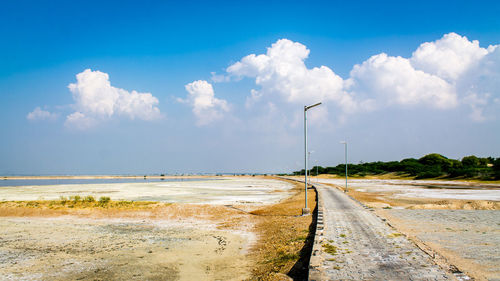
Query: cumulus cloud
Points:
[443, 74]
[282, 71]
[206, 107]
[448, 57]
[393, 80]
[79, 121]
[40, 114]
[96, 100]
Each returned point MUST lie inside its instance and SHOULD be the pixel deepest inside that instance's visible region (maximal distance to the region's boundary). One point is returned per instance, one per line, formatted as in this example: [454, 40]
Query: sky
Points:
[145, 87]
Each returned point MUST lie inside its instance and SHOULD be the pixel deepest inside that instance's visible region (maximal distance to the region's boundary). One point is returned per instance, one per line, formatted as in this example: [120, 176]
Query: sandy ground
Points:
[71, 248]
[187, 240]
[227, 190]
[431, 189]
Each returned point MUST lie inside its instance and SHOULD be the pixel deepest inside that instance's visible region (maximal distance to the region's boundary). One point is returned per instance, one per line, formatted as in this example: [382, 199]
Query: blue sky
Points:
[442, 97]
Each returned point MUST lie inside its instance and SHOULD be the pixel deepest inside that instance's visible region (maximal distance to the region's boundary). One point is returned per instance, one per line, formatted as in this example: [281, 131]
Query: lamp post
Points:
[345, 147]
[317, 178]
[309, 161]
[306, 108]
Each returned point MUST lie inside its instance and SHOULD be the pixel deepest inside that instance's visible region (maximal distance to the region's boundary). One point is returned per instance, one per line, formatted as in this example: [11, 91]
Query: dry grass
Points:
[285, 238]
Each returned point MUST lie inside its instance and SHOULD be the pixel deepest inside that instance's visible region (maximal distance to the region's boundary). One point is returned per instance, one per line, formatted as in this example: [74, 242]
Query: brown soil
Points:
[286, 238]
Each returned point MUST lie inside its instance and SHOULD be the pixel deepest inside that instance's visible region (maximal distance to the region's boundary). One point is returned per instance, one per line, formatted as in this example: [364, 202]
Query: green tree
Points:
[470, 161]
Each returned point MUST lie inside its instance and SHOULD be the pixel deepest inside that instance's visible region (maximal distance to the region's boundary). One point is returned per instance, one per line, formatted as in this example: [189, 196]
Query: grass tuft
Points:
[330, 249]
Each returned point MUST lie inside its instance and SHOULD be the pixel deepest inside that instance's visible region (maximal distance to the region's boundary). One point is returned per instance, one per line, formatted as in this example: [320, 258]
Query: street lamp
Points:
[345, 146]
[306, 108]
[317, 175]
[309, 161]
[316, 161]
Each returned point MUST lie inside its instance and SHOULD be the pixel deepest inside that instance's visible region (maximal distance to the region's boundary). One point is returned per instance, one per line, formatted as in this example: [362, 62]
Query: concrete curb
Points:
[316, 261]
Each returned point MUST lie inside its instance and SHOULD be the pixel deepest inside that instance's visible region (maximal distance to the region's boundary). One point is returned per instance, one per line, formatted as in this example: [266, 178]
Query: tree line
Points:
[430, 166]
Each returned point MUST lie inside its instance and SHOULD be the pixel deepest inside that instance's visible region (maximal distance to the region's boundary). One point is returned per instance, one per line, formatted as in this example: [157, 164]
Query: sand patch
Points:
[467, 239]
[77, 248]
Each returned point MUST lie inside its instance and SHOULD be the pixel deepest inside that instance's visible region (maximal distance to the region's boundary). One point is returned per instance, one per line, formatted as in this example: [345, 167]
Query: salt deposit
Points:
[423, 188]
[227, 190]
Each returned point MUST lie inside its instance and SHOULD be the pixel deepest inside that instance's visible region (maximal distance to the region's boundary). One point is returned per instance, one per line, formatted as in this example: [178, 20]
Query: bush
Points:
[104, 200]
[470, 161]
[431, 173]
[429, 166]
[89, 199]
[496, 168]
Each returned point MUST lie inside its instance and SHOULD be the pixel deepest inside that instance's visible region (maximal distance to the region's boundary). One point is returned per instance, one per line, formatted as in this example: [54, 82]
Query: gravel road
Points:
[360, 246]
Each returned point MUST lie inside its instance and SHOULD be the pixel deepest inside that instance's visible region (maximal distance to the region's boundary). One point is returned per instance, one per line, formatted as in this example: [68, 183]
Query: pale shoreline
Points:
[90, 177]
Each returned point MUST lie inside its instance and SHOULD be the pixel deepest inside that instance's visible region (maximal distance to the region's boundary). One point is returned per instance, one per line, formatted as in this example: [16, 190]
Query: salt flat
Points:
[200, 240]
[227, 190]
[421, 188]
[72, 248]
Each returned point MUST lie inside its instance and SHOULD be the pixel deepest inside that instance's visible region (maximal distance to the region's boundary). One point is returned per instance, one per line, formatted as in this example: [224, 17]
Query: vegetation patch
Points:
[79, 202]
[330, 249]
[394, 235]
[429, 166]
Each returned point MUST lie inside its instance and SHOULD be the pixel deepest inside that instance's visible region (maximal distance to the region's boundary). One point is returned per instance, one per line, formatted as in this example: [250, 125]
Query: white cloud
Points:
[217, 78]
[393, 80]
[95, 100]
[282, 71]
[448, 57]
[40, 114]
[206, 107]
[443, 75]
[79, 121]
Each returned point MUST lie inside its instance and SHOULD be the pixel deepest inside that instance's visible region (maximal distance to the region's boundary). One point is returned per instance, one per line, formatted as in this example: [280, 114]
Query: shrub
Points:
[431, 173]
[104, 200]
[89, 199]
[470, 161]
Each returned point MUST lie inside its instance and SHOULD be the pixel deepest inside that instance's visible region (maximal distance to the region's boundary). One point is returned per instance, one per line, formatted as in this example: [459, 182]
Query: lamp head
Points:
[311, 106]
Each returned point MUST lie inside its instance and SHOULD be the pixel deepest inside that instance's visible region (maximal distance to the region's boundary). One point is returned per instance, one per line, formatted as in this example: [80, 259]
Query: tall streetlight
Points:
[309, 160]
[345, 146]
[306, 108]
